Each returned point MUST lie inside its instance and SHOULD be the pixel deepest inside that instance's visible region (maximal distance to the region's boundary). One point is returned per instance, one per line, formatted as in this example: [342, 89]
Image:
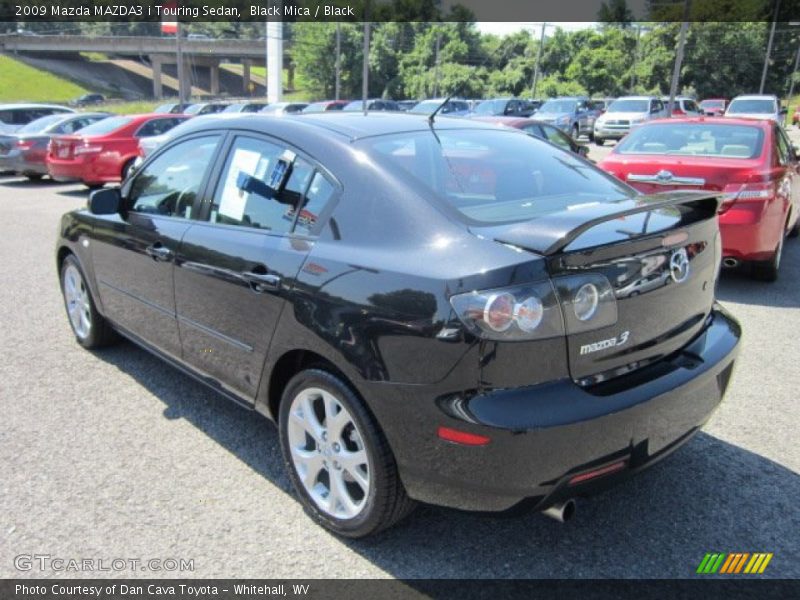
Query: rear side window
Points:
[494, 176]
[156, 127]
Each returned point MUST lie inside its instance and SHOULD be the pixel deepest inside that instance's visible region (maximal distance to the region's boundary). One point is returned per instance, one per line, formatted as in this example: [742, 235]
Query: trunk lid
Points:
[62, 147]
[655, 175]
[660, 255]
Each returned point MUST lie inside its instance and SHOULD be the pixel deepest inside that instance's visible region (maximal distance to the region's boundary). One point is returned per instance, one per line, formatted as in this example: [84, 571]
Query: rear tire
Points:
[126, 168]
[337, 458]
[34, 176]
[599, 141]
[768, 270]
[575, 132]
[89, 326]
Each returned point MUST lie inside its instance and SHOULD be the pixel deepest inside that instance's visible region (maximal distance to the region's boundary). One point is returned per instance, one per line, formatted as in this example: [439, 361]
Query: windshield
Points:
[713, 104]
[234, 108]
[106, 126]
[634, 106]
[426, 107]
[701, 139]
[558, 106]
[755, 106]
[491, 107]
[494, 176]
[39, 125]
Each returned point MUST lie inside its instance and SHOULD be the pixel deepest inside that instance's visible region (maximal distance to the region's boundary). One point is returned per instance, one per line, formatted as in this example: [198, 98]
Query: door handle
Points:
[262, 282]
[159, 252]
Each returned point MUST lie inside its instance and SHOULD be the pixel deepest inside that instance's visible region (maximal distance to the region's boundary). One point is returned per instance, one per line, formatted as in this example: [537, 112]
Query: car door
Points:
[790, 183]
[236, 268]
[133, 252]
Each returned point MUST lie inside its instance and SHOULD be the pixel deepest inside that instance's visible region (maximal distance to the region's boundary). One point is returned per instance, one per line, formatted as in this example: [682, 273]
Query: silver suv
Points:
[624, 113]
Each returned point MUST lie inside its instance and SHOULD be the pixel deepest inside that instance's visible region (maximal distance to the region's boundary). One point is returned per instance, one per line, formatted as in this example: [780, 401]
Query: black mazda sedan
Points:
[430, 310]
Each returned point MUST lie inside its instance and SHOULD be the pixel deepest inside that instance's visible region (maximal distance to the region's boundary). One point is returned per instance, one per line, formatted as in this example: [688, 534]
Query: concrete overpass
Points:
[158, 50]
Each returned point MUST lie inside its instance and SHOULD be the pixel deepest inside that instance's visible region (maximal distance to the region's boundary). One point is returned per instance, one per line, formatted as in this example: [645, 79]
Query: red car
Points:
[714, 107]
[751, 162]
[104, 152]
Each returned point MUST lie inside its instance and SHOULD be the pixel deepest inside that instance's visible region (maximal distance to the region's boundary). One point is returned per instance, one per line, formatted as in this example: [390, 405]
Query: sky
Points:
[506, 28]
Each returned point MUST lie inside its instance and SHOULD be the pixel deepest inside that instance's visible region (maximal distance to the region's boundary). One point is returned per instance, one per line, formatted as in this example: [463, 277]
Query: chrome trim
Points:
[665, 178]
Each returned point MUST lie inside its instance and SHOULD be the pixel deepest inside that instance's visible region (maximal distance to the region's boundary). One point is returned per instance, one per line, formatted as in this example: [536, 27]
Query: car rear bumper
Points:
[18, 162]
[67, 170]
[751, 231]
[606, 133]
[542, 437]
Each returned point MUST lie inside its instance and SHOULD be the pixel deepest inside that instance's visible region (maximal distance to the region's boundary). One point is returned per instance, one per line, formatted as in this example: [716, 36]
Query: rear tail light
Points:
[745, 192]
[25, 144]
[571, 304]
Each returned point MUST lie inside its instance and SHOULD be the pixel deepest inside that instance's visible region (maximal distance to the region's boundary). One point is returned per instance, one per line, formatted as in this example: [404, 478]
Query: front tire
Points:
[575, 132]
[599, 141]
[90, 328]
[337, 458]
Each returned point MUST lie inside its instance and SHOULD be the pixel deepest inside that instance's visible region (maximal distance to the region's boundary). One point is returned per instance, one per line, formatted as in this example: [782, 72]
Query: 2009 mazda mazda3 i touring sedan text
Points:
[430, 309]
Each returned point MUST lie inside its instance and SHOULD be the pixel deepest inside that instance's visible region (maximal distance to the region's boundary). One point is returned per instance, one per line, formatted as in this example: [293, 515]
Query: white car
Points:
[756, 106]
[14, 116]
[624, 113]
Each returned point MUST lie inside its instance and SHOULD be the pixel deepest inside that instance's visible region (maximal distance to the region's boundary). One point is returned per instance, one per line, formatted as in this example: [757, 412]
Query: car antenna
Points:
[460, 87]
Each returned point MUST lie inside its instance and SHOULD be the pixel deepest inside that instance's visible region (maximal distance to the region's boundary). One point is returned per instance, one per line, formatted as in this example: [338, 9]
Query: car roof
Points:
[756, 97]
[34, 105]
[762, 124]
[350, 125]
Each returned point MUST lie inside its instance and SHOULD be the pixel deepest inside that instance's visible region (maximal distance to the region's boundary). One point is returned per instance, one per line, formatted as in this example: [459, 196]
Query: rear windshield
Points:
[40, 124]
[558, 106]
[639, 106]
[316, 107]
[106, 126]
[713, 104]
[491, 107]
[495, 176]
[755, 106]
[701, 139]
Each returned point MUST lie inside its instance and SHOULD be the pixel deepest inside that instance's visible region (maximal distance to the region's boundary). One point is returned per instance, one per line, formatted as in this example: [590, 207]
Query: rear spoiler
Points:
[550, 234]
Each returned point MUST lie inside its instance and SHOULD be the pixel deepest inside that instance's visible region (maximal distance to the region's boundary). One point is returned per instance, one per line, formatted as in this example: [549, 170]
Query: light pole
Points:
[769, 47]
[794, 74]
[538, 61]
[676, 72]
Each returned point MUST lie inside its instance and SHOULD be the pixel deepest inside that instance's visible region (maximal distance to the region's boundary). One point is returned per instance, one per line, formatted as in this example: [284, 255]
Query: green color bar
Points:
[702, 567]
[718, 564]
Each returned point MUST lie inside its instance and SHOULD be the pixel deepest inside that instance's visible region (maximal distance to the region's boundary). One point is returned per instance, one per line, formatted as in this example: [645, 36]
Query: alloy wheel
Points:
[328, 453]
[79, 307]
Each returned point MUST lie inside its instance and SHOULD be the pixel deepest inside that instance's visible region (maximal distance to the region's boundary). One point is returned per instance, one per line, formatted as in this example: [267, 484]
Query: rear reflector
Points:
[462, 437]
[612, 468]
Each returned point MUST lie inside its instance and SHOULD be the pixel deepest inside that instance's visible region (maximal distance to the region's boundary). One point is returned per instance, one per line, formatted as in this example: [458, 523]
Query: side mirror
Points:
[105, 201]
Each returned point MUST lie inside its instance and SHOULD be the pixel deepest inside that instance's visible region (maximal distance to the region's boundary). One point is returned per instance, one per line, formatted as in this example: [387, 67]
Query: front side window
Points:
[169, 184]
[494, 176]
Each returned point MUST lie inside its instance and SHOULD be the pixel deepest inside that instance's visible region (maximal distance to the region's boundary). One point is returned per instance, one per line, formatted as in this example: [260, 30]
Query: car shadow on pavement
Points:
[710, 496]
[18, 181]
[736, 285]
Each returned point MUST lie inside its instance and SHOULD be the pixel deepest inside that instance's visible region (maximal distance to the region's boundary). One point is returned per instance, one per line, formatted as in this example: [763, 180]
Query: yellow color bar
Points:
[765, 563]
[749, 567]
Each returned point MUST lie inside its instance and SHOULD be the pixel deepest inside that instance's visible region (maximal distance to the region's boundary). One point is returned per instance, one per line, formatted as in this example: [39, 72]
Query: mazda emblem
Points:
[679, 266]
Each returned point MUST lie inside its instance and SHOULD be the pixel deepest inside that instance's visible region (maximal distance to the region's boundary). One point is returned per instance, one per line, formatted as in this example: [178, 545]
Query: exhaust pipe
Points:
[562, 511]
[730, 263]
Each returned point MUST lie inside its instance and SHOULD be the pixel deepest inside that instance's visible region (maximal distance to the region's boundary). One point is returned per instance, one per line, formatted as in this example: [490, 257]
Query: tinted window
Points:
[319, 193]
[752, 106]
[40, 124]
[494, 176]
[106, 126]
[690, 106]
[629, 106]
[700, 139]
[170, 183]
[785, 151]
[254, 203]
[559, 106]
[535, 130]
[156, 127]
[556, 136]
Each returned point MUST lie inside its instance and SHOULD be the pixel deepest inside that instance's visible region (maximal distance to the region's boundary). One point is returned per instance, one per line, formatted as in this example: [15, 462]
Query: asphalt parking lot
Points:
[115, 455]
